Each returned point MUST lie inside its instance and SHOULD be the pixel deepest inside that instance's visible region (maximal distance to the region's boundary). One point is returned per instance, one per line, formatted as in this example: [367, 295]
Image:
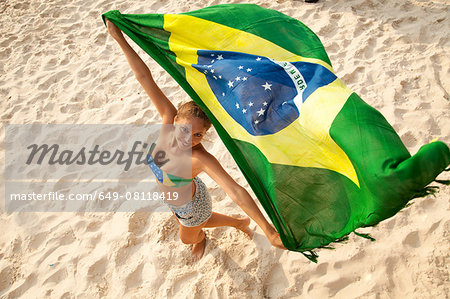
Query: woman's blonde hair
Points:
[192, 110]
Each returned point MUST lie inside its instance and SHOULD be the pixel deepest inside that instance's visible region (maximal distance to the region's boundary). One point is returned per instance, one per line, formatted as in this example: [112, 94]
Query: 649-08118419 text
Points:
[103, 195]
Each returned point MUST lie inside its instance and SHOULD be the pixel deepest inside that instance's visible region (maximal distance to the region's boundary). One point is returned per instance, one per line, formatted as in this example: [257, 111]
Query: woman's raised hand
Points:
[115, 32]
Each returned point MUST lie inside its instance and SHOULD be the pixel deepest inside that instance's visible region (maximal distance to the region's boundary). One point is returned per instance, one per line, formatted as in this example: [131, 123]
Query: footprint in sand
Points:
[433, 228]
[433, 127]
[8, 41]
[409, 139]
[97, 270]
[354, 76]
[6, 278]
[322, 269]
[337, 285]
[137, 222]
[399, 113]
[134, 279]
[20, 288]
[57, 276]
[36, 240]
[100, 38]
[276, 282]
[412, 239]
[93, 226]
[122, 255]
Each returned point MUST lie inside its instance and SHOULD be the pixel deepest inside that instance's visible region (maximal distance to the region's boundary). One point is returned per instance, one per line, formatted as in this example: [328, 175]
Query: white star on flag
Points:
[236, 80]
[266, 87]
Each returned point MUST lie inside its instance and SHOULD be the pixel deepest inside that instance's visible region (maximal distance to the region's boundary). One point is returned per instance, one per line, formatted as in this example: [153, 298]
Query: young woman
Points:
[193, 212]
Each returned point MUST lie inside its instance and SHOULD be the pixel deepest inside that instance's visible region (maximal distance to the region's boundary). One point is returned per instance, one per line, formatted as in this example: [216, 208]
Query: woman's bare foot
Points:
[244, 227]
[198, 249]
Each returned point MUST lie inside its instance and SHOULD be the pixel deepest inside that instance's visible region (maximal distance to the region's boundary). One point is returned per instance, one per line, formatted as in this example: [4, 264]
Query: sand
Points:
[58, 65]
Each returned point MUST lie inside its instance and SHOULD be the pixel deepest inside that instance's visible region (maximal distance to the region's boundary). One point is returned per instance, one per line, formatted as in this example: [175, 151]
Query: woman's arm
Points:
[240, 196]
[144, 76]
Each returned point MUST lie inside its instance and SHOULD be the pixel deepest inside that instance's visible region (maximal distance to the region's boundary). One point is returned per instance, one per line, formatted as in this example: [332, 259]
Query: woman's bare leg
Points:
[196, 236]
[242, 224]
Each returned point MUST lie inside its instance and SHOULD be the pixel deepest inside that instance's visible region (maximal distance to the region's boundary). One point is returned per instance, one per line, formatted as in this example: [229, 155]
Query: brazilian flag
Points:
[320, 160]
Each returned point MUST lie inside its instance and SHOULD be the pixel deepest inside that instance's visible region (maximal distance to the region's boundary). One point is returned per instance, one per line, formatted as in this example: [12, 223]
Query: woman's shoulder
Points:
[200, 156]
[199, 152]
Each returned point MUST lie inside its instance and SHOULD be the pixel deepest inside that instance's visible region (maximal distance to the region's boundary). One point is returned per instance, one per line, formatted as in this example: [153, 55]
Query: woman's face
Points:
[185, 137]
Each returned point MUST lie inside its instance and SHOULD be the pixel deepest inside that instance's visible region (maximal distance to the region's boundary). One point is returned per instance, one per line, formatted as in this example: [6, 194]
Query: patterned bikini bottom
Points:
[198, 210]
